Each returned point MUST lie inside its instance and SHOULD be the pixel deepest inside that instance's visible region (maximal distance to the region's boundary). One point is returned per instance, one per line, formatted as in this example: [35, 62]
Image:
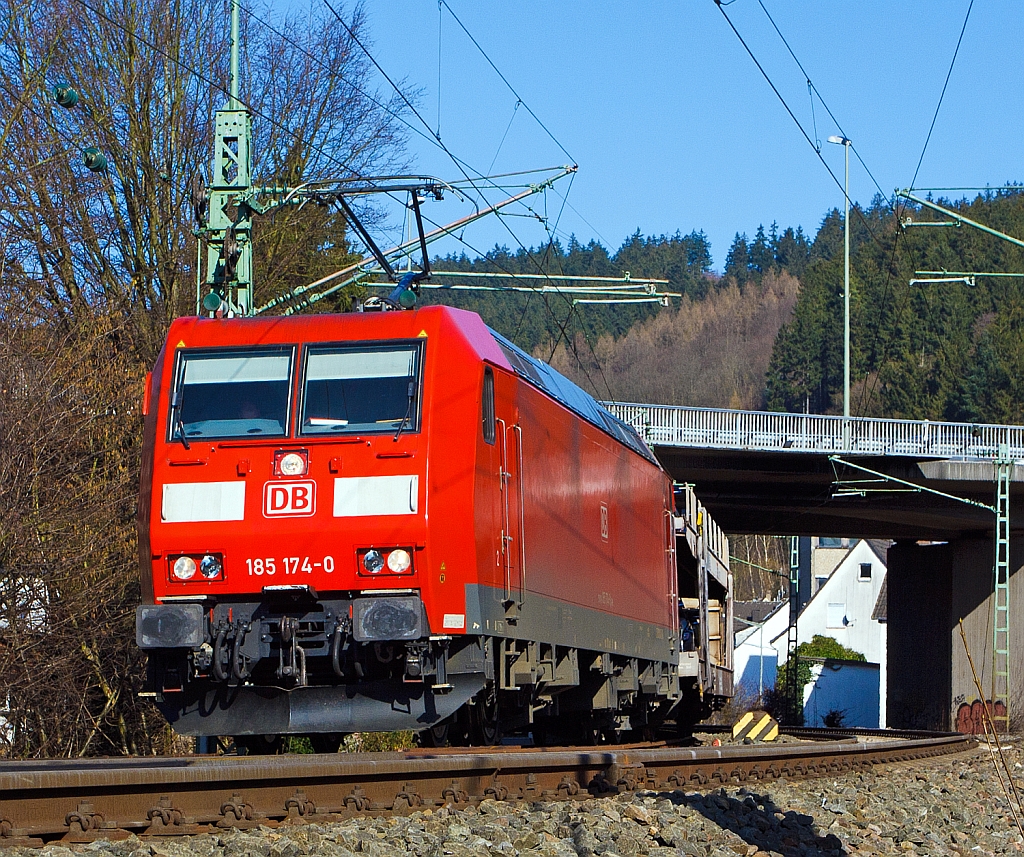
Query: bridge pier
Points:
[930, 588]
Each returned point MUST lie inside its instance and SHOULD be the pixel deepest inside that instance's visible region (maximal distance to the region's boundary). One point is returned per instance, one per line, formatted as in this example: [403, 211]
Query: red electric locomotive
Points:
[400, 520]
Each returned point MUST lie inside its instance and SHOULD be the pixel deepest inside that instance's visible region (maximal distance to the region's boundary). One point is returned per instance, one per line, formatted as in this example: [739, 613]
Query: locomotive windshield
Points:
[231, 394]
[360, 388]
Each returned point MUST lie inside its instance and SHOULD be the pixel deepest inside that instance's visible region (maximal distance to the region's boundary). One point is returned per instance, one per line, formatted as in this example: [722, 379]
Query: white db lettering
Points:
[294, 499]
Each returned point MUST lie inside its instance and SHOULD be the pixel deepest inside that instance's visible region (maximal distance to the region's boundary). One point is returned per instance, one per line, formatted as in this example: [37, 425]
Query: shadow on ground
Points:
[759, 822]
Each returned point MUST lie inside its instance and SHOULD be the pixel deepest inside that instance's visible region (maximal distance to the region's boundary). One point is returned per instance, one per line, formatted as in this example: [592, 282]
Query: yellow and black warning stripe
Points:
[757, 726]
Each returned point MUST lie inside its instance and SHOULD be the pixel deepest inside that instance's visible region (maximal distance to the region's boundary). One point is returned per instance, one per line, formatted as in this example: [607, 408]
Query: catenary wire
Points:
[778, 94]
[440, 16]
[458, 162]
[508, 128]
[213, 84]
[812, 88]
[534, 291]
[430, 137]
[455, 160]
[942, 94]
[505, 81]
[866, 394]
[792, 115]
[894, 204]
[435, 139]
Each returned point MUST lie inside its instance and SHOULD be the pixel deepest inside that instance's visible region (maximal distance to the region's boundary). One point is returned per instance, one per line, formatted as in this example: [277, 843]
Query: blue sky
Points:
[673, 126]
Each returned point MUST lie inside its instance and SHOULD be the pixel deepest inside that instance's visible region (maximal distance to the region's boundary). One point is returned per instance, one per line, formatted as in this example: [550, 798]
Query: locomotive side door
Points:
[509, 437]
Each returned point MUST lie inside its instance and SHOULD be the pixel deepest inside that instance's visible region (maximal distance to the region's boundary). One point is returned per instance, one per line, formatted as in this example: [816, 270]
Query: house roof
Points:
[880, 548]
[744, 628]
[753, 612]
[881, 611]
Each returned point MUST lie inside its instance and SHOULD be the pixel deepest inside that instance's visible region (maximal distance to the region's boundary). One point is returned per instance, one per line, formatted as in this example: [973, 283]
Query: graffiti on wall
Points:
[970, 716]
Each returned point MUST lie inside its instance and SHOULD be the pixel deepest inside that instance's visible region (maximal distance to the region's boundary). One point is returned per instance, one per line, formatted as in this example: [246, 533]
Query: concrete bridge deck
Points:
[760, 472]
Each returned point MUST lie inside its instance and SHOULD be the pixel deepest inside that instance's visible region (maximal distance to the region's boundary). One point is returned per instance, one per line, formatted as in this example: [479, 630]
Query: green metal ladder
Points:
[1001, 595]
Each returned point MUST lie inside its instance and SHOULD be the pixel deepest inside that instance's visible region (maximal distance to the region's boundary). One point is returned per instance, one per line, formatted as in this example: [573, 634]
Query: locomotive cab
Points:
[285, 532]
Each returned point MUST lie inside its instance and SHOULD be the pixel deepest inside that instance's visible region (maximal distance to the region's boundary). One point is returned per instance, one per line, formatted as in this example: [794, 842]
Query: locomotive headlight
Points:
[291, 464]
[211, 567]
[184, 568]
[399, 561]
[373, 561]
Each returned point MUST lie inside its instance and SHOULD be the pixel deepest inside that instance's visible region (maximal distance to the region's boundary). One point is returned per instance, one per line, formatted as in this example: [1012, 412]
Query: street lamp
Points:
[846, 142]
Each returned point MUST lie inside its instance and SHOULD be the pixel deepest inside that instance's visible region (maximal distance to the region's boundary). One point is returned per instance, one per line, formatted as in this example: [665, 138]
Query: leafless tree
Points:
[69, 438]
[150, 74]
[93, 267]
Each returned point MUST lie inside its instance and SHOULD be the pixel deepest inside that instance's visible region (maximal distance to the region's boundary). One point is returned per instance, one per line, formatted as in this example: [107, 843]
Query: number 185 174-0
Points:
[288, 565]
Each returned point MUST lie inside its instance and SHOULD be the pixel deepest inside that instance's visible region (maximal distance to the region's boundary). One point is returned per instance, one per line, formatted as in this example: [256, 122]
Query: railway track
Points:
[88, 799]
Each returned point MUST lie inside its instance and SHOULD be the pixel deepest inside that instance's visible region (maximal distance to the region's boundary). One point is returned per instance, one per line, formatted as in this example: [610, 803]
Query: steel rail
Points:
[83, 800]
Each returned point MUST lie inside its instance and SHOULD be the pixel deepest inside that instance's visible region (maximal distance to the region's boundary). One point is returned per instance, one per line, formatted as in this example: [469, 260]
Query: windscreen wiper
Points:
[177, 425]
[408, 410]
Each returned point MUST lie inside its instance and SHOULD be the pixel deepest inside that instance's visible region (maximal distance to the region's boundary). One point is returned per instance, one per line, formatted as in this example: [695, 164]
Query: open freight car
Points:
[399, 520]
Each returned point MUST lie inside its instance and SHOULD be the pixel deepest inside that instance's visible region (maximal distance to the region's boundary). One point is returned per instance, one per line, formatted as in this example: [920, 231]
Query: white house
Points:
[848, 580]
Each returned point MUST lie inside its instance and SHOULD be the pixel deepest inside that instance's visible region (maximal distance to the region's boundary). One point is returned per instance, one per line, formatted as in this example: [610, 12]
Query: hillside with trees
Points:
[533, 320]
[711, 347]
[711, 352]
[941, 351]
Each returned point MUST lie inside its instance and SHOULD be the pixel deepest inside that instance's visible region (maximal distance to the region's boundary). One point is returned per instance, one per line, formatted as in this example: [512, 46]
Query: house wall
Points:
[849, 620]
[760, 650]
[823, 563]
[848, 687]
[755, 665]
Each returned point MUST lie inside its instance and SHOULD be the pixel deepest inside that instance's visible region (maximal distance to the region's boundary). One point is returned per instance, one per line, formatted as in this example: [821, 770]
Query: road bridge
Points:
[805, 474]
[766, 473]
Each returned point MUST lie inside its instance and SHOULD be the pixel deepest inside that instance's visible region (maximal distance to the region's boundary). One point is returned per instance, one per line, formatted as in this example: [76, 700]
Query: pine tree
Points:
[737, 261]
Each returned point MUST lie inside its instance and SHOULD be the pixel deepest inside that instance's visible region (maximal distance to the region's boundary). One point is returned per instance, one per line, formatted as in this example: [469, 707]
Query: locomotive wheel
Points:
[486, 730]
[259, 745]
[454, 731]
[598, 729]
[438, 735]
[325, 742]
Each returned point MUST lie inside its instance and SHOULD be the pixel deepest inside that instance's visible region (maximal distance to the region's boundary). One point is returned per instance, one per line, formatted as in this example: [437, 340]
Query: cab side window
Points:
[488, 405]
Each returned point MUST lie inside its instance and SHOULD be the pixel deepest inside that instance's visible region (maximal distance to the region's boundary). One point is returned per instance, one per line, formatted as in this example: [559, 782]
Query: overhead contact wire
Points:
[942, 94]
[505, 81]
[778, 94]
[866, 396]
[455, 160]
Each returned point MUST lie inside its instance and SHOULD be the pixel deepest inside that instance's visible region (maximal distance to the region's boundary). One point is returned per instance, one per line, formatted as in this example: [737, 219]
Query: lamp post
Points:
[845, 143]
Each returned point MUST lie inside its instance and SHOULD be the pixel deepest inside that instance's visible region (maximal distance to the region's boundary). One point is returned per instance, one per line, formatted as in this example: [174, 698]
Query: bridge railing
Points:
[715, 428]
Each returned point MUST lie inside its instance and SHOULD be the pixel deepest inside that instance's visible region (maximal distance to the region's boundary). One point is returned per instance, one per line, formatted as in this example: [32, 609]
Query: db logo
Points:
[294, 499]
